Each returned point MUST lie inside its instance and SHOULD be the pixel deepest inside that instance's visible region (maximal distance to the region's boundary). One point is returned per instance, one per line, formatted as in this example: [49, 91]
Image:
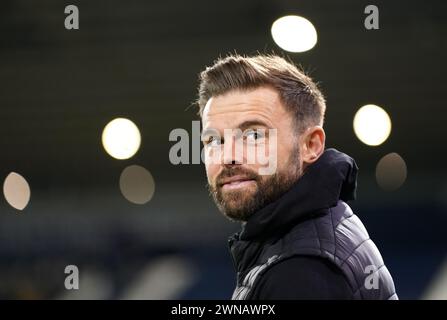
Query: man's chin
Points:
[238, 209]
[236, 203]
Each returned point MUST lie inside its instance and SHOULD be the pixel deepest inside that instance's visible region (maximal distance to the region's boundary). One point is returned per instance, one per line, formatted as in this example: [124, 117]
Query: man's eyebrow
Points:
[252, 123]
[242, 126]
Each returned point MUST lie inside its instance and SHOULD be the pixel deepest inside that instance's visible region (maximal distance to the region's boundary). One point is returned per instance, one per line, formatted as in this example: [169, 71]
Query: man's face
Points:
[234, 168]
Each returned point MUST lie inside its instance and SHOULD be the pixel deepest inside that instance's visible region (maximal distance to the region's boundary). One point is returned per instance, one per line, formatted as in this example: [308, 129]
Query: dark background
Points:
[140, 60]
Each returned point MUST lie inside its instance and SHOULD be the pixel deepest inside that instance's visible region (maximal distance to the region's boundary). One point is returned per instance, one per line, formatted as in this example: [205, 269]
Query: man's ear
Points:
[312, 144]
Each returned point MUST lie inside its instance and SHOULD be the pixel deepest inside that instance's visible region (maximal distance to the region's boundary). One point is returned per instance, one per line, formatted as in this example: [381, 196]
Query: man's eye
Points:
[253, 135]
[213, 141]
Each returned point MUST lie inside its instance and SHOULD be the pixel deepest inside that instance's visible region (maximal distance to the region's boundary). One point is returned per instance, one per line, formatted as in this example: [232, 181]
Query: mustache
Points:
[230, 172]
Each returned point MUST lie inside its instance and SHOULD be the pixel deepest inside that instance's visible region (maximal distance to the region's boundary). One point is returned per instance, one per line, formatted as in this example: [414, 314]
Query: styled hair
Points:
[297, 91]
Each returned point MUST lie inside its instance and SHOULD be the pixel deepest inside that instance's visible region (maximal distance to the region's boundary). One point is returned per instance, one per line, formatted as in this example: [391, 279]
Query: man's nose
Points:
[232, 151]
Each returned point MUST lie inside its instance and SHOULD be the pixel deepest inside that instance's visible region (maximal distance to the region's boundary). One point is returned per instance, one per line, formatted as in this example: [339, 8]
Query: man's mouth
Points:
[236, 182]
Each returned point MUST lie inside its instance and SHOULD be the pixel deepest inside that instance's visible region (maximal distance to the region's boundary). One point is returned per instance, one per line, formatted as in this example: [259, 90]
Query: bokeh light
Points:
[137, 184]
[121, 138]
[372, 125]
[391, 172]
[294, 33]
[16, 191]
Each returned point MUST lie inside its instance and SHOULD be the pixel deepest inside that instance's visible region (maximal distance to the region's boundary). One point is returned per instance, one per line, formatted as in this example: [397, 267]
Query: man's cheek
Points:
[211, 174]
[268, 157]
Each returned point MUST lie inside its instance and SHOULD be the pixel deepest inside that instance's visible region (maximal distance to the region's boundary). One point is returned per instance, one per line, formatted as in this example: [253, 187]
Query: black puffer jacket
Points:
[309, 244]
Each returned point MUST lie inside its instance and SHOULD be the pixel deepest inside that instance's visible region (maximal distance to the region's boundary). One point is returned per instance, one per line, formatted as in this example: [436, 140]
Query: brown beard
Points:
[240, 205]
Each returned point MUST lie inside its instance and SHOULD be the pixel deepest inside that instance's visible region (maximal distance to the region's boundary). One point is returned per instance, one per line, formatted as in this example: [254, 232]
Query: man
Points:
[299, 238]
